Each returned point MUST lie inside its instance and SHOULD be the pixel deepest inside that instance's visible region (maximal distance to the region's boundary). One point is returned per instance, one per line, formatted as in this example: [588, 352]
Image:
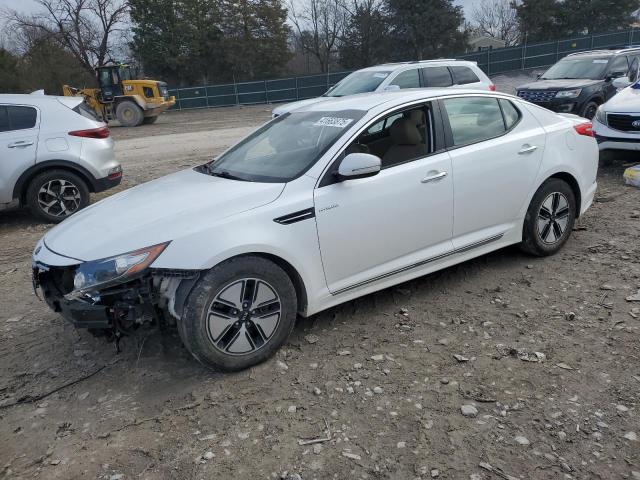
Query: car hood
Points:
[559, 84]
[288, 107]
[161, 210]
[625, 101]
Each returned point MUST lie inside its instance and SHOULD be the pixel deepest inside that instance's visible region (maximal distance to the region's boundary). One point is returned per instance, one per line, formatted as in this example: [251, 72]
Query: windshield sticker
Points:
[333, 122]
[601, 61]
[381, 75]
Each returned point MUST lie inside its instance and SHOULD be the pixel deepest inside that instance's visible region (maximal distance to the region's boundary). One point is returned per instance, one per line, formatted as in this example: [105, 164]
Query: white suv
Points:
[394, 76]
[54, 152]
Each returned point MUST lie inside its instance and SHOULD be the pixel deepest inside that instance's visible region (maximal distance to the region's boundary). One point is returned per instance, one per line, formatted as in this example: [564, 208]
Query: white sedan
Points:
[320, 206]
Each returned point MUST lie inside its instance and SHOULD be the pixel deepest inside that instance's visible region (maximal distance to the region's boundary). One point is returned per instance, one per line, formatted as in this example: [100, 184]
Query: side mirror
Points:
[621, 82]
[391, 88]
[359, 165]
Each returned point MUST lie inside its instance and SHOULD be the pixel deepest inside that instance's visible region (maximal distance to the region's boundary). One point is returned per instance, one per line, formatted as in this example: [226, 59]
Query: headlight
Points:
[102, 273]
[601, 116]
[569, 93]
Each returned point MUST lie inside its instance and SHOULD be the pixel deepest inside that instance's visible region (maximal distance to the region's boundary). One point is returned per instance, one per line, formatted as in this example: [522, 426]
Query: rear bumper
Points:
[102, 184]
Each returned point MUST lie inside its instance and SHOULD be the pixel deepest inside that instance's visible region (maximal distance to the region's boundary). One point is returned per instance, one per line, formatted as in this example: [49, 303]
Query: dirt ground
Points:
[380, 371]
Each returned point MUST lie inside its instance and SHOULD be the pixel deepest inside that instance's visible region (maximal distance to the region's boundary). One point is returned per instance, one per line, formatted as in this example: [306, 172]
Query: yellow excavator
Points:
[121, 97]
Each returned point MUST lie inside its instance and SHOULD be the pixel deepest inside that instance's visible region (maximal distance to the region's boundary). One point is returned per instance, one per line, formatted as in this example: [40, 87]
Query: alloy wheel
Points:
[59, 198]
[553, 218]
[243, 316]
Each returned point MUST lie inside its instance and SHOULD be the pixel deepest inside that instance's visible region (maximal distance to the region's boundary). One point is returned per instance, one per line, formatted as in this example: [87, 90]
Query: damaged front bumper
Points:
[153, 296]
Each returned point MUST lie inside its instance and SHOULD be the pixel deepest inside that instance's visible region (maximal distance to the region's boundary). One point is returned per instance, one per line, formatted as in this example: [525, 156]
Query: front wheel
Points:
[549, 219]
[129, 114]
[239, 313]
[589, 110]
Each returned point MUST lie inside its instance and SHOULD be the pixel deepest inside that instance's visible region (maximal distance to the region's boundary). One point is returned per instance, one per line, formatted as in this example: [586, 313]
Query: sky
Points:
[29, 6]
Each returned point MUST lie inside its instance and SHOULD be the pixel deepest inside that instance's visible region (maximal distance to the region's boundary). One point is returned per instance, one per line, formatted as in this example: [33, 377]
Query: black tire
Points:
[129, 114]
[589, 110]
[211, 341]
[149, 120]
[544, 237]
[64, 192]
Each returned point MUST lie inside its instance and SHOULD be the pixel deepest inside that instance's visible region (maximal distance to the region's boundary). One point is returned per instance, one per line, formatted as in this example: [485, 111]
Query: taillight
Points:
[585, 129]
[102, 132]
[492, 87]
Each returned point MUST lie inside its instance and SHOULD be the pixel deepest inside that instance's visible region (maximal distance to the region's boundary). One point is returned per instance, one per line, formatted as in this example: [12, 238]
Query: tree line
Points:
[186, 42]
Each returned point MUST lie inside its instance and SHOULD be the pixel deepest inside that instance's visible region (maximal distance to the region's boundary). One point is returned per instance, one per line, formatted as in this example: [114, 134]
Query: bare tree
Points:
[90, 30]
[319, 25]
[497, 19]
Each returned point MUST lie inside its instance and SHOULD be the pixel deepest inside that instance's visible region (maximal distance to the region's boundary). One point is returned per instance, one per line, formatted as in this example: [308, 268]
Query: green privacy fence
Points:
[536, 55]
[500, 60]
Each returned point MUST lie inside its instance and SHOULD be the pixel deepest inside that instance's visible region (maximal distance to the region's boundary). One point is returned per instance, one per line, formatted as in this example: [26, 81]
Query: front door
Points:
[375, 227]
[18, 145]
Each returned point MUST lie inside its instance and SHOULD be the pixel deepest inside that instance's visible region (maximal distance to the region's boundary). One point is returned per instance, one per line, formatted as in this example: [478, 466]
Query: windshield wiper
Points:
[224, 174]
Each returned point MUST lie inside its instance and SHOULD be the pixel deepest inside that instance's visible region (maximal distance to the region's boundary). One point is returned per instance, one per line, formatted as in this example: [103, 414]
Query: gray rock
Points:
[469, 411]
[522, 440]
[631, 436]
[311, 338]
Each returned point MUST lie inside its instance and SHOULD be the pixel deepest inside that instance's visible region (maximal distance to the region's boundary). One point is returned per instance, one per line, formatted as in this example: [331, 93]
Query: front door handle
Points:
[19, 144]
[526, 148]
[434, 177]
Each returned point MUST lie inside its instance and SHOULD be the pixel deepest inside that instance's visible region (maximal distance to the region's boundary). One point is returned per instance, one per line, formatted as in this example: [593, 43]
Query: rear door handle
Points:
[434, 177]
[527, 149]
[19, 144]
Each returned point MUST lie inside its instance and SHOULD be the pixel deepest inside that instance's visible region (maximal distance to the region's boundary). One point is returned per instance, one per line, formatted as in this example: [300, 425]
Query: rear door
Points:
[18, 145]
[496, 151]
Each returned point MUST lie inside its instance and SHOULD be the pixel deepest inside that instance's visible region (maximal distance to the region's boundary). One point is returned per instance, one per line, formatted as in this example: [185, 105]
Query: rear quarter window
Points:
[510, 112]
[86, 111]
[463, 75]
[22, 118]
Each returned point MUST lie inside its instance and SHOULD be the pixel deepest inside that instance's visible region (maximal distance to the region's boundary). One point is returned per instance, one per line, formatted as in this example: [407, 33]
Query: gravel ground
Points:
[504, 367]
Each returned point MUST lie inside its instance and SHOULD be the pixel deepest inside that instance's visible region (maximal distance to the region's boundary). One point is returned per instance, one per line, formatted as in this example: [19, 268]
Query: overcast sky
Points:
[30, 5]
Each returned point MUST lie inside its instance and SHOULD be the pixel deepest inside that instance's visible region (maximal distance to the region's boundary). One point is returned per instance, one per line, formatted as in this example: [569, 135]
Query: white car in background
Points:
[616, 124]
[395, 76]
[53, 152]
[319, 206]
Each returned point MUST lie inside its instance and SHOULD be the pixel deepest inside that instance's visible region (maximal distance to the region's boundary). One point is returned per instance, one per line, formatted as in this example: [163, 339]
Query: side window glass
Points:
[437, 77]
[619, 64]
[510, 112]
[474, 119]
[407, 79]
[22, 118]
[463, 75]
[404, 136]
[4, 119]
[633, 71]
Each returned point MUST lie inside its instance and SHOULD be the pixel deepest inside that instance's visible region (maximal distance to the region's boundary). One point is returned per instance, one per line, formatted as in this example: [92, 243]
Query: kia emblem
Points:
[636, 124]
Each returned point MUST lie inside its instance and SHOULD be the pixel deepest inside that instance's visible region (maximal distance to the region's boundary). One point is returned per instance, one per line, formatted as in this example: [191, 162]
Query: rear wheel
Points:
[239, 313]
[550, 218]
[129, 114]
[589, 110]
[55, 195]
[149, 120]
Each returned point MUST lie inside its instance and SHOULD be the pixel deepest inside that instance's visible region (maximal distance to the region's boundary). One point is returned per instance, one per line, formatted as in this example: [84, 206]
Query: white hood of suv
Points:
[155, 212]
[625, 101]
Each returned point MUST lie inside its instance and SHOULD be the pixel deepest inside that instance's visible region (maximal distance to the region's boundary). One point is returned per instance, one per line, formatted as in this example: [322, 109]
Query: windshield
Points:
[357, 82]
[284, 148]
[590, 68]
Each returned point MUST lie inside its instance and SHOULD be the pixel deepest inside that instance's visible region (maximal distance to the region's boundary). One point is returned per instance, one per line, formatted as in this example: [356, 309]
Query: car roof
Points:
[30, 99]
[368, 101]
[417, 63]
[606, 52]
